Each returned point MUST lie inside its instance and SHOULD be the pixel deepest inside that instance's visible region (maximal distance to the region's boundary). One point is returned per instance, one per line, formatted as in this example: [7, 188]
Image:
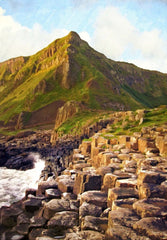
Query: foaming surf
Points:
[13, 183]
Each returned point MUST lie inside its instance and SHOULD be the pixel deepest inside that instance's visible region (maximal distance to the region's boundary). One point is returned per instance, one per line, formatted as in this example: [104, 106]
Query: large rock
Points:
[152, 207]
[124, 140]
[20, 162]
[32, 204]
[66, 184]
[55, 205]
[85, 147]
[148, 190]
[124, 216]
[123, 203]
[149, 177]
[154, 228]
[22, 229]
[97, 198]
[94, 223]
[65, 219]
[89, 209]
[120, 223]
[144, 144]
[88, 235]
[161, 143]
[119, 232]
[9, 216]
[120, 193]
[109, 180]
[43, 185]
[86, 181]
[52, 193]
[127, 183]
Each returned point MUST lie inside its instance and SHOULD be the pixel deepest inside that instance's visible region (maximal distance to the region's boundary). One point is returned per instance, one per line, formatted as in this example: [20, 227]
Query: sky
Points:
[133, 31]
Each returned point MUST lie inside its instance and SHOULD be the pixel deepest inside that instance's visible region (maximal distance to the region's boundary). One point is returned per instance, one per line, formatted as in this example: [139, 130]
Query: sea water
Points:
[13, 183]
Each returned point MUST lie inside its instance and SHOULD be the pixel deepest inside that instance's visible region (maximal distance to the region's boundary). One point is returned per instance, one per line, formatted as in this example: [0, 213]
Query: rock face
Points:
[117, 192]
[66, 111]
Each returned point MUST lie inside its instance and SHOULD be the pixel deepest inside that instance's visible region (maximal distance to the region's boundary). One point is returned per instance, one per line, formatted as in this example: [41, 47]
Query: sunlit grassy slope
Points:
[123, 126]
[69, 69]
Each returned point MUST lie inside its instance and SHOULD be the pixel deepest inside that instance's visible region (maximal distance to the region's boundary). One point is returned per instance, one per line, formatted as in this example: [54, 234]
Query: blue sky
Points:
[124, 30]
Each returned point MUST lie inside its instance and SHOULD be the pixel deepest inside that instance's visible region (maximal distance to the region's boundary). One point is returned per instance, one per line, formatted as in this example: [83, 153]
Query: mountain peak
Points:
[73, 34]
[73, 38]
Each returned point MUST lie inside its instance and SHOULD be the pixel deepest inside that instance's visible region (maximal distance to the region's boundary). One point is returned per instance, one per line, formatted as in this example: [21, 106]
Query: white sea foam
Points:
[13, 183]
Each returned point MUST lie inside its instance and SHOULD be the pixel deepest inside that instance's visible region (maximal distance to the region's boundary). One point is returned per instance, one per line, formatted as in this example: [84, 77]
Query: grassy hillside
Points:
[124, 124]
[69, 69]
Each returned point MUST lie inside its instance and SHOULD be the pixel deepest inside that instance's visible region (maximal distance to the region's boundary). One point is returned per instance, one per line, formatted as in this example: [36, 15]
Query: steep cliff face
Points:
[68, 110]
[70, 70]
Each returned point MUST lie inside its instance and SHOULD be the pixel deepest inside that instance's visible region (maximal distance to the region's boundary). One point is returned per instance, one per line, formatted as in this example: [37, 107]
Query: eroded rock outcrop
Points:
[110, 189]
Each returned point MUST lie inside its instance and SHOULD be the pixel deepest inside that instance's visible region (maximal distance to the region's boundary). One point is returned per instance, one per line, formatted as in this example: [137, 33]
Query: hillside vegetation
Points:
[70, 70]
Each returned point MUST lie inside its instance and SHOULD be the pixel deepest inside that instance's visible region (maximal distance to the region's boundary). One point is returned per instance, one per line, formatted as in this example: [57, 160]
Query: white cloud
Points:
[85, 36]
[17, 40]
[119, 39]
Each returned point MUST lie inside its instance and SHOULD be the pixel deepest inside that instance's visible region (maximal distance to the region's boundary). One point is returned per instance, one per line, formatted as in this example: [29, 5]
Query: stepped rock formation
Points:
[112, 188]
[70, 70]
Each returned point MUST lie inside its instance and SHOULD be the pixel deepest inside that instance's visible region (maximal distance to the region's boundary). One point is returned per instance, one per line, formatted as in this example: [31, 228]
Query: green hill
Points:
[32, 89]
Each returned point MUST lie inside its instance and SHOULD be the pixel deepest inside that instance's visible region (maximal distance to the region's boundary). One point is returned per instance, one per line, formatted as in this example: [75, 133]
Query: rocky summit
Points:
[69, 73]
[110, 187]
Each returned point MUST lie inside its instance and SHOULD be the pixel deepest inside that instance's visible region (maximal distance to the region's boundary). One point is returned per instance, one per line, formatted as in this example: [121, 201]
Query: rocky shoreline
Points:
[108, 188]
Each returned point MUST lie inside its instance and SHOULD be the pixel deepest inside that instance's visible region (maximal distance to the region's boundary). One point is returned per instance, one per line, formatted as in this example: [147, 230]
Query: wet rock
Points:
[32, 204]
[20, 162]
[24, 218]
[9, 216]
